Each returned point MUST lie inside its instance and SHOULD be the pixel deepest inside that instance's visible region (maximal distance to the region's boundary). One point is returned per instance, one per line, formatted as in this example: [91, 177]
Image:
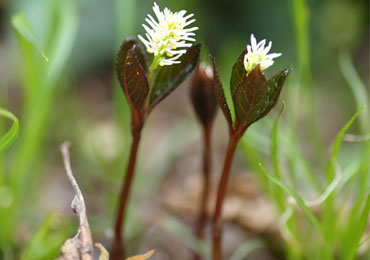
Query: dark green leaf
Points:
[136, 85]
[220, 95]
[254, 97]
[237, 73]
[122, 53]
[203, 96]
[168, 78]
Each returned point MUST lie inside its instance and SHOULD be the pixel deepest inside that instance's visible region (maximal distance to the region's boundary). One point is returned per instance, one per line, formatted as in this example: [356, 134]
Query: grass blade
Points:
[278, 195]
[337, 144]
[306, 210]
[9, 137]
[330, 215]
[245, 249]
[46, 241]
[357, 87]
[23, 29]
[354, 242]
[182, 232]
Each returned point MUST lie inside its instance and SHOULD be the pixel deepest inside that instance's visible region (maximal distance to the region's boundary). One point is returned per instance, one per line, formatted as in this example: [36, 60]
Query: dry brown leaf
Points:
[104, 255]
[81, 245]
[142, 257]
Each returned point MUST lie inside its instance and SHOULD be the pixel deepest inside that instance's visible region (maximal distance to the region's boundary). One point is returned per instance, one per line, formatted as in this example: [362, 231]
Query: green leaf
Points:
[141, 56]
[136, 85]
[12, 134]
[238, 72]
[168, 78]
[23, 29]
[220, 95]
[254, 97]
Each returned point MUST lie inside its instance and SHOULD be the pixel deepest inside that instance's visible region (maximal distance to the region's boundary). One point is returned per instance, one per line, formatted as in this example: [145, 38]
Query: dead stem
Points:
[81, 245]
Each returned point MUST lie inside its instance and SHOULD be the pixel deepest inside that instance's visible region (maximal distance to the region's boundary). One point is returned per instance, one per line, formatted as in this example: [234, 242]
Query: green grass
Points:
[11, 135]
[43, 69]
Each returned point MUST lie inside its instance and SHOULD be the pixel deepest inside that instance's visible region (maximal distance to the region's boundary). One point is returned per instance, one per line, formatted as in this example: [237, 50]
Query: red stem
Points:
[118, 245]
[200, 225]
[217, 224]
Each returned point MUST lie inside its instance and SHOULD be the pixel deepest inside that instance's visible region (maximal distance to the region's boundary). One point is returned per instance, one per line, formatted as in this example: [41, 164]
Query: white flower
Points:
[257, 54]
[167, 36]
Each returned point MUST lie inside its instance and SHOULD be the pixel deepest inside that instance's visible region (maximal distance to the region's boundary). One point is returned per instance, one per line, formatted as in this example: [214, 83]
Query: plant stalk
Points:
[217, 224]
[118, 243]
[202, 217]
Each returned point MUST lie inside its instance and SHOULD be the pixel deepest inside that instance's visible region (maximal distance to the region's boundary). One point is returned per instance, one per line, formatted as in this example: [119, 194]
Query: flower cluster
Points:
[167, 37]
[257, 54]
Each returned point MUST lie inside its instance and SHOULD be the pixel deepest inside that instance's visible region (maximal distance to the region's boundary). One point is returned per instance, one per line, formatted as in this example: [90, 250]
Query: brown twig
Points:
[81, 245]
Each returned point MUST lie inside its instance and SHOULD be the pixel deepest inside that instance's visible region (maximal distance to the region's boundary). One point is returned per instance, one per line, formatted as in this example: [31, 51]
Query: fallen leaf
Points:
[104, 255]
[142, 257]
[81, 245]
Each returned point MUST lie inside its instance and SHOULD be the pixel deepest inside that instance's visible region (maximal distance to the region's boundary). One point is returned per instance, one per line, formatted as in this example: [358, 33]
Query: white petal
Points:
[189, 22]
[249, 49]
[261, 44]
[253, 42]
[152, 19]
[268, 48]
[150, 23]
[273, 55]
[190, 29]
[188, 16]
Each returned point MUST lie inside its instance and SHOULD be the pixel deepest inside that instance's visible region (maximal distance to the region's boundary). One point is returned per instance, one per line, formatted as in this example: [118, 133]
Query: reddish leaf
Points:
[249, 97]
[254, 97]
[141, 55]
[168, 78]
[273, 88]
[238, 73]
[220, 95]
[136, 86]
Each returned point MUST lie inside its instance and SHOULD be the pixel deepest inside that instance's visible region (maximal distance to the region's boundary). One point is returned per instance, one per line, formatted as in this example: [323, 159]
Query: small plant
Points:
[145, 86]
[253, 98]
[205, 106]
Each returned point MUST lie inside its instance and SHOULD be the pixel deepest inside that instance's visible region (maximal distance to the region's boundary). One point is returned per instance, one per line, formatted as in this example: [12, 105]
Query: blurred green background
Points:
[75, 96]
